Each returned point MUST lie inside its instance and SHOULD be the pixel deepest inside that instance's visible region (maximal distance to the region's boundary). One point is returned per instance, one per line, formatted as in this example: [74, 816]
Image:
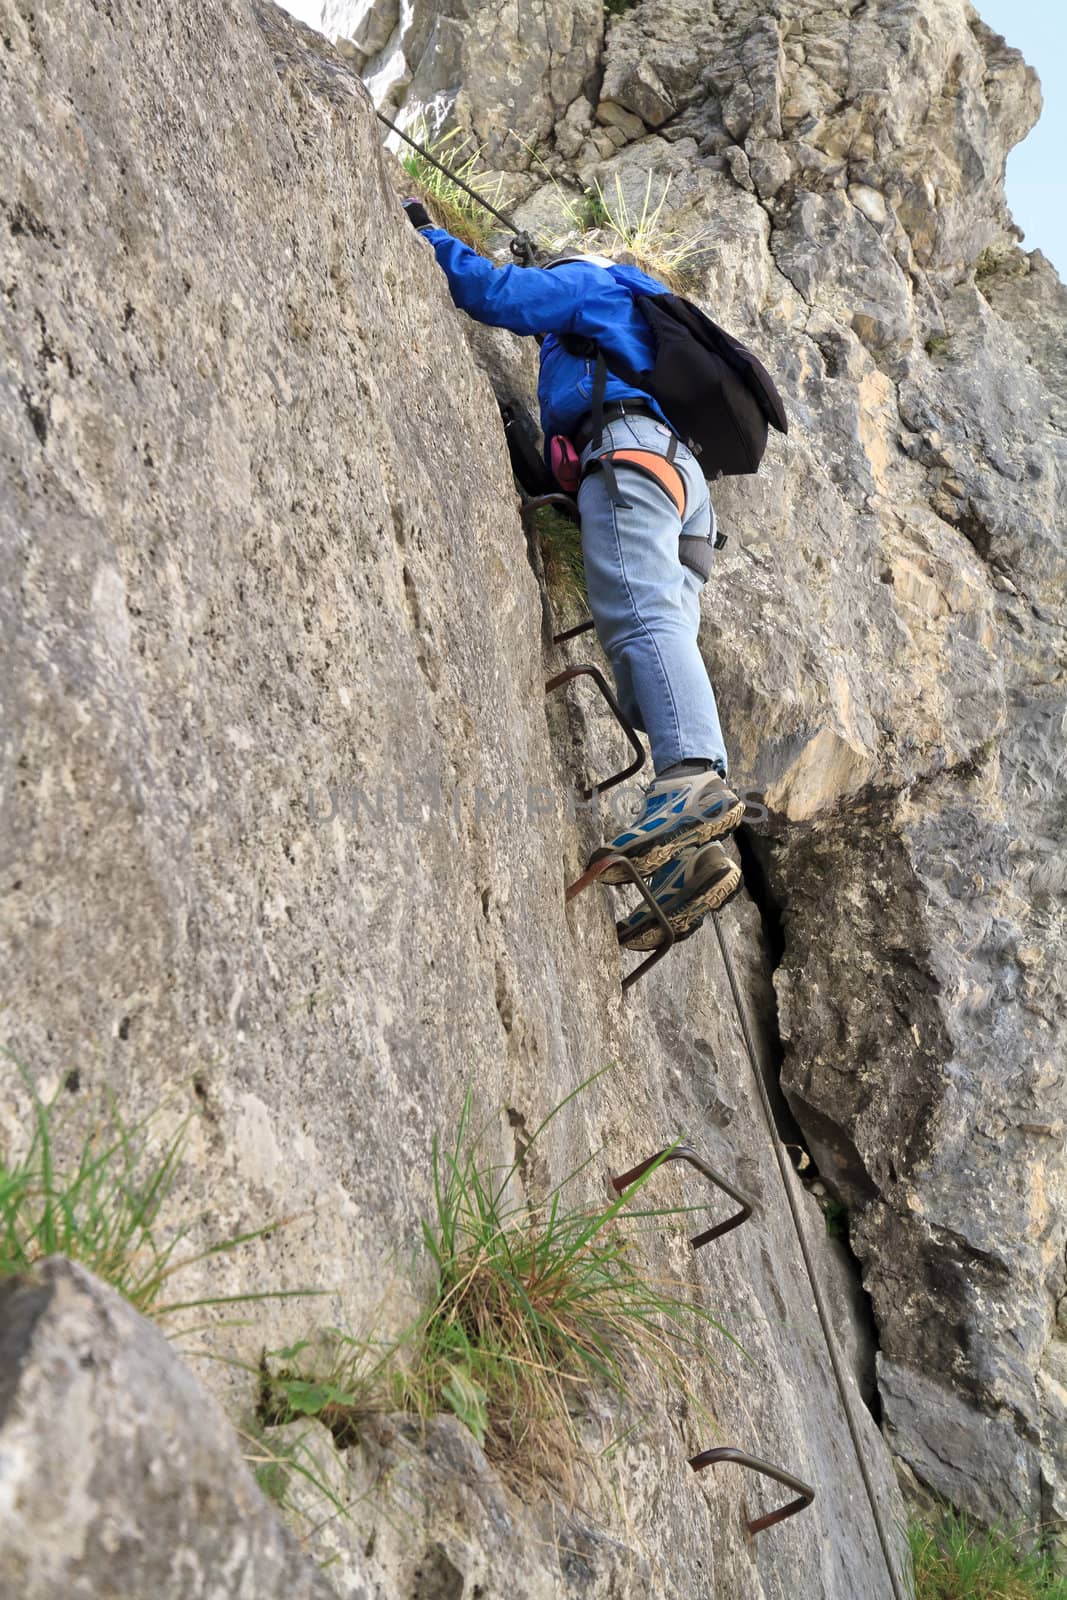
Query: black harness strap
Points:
[600, 383]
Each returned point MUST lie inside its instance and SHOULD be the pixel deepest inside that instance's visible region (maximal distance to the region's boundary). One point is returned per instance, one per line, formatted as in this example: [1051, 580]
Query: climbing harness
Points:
[522, 246]
[660, 469]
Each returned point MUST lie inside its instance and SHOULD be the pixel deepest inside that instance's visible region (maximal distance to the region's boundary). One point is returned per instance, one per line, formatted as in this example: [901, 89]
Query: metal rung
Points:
[572, 633]
[685, 1152]
[591, 874]
[805, 1493]
[529, 507]
[616, 710]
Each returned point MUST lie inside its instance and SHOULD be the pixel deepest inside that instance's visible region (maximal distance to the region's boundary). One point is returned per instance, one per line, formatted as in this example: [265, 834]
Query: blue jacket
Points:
[574, 298]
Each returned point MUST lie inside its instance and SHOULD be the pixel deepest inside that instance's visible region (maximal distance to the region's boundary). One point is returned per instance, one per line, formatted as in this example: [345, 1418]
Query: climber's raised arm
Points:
[521, 299]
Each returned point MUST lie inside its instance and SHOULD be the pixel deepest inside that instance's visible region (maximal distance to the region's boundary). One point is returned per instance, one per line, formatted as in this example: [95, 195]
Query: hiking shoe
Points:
[678, 811]
[701, 878]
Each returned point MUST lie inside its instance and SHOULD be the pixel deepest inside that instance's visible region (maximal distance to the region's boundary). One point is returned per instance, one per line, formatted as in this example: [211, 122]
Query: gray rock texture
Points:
[284, 833]
[887, 639]
[119, 1474]
[495, 70]
[281, 840]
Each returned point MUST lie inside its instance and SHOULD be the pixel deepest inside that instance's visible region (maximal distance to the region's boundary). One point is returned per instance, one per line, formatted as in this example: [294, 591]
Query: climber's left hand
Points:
[418, 215]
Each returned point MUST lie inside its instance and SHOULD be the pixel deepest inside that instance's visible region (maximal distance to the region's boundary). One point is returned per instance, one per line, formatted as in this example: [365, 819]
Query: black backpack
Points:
[713, 391]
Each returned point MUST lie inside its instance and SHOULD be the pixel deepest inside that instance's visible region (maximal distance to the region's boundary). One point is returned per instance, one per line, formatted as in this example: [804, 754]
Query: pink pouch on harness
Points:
[565, 462]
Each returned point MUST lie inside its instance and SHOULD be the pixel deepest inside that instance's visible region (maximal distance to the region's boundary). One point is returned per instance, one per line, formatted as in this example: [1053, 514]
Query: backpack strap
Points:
[600, 383]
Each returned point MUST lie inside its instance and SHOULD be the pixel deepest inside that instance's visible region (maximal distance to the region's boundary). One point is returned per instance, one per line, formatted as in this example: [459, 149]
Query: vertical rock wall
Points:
[260, 549]
[284, 831]
[886, 634]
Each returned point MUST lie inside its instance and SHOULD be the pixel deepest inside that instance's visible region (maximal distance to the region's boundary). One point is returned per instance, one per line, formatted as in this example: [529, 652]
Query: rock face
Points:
[495, 70]
[285, 836]
[285, 812]
[887, 640]
[119, 1474]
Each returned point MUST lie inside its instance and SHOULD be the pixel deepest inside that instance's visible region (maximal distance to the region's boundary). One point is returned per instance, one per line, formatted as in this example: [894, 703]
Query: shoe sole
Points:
[647, 859]
[688, 918]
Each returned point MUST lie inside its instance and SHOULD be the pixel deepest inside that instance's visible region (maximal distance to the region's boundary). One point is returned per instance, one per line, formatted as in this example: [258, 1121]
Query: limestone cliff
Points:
[281, 843]
[886, 629]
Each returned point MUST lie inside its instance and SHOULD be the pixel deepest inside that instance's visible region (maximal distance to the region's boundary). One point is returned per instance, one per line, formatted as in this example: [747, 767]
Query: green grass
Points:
[530, 1307]
[961, 1561]
[591, 212]
[559, 540]
[938, 344]
[453, 208]
[103, 1206]
[604, 220]
[835, 1215]
[288, 1474]
[662, 251]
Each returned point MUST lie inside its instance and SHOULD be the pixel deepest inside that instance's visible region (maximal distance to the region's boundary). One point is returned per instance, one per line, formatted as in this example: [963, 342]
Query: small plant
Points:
[961, 1561]
[559, 540]
[835, 1213]
[333, 1397]
[530, 1305]
[640, 233]
[592, 213]
[618, 8]
[451, 203]
[289, 1475]
[103, 1208]
[987, 266]
[937, 345]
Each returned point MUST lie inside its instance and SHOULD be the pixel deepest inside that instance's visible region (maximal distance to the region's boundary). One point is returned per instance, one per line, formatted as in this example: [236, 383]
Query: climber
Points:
[634, 509]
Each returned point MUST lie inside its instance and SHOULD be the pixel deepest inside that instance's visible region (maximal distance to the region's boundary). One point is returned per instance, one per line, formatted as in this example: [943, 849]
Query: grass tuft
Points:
[938, 345]
[961, 1561]
[103, 1208]
[289, 1475]
[604, 220]
[559, 540]
[987, 266]
[452, 207]
[531, 1308]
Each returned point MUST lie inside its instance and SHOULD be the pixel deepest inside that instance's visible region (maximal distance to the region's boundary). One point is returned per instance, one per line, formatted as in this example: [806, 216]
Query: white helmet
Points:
[590, 256]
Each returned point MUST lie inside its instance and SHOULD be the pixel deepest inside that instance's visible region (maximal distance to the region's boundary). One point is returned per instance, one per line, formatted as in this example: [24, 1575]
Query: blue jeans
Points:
[645, 604]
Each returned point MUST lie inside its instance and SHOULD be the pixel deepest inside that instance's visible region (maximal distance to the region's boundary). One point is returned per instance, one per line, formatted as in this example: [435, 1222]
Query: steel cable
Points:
[789, 1180]
[522, 246]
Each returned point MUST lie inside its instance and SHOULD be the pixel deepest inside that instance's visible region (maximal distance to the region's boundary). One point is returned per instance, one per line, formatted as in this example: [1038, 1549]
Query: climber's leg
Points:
[646, 606]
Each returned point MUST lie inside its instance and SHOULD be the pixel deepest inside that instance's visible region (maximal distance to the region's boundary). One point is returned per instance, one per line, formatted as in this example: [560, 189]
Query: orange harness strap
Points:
[665, 473]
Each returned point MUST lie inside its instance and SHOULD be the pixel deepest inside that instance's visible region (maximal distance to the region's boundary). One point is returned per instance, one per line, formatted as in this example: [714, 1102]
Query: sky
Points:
[1037, 169]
